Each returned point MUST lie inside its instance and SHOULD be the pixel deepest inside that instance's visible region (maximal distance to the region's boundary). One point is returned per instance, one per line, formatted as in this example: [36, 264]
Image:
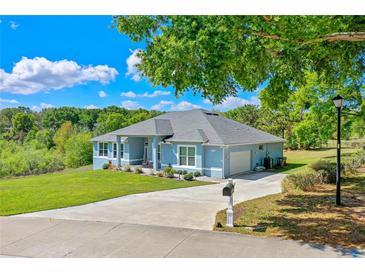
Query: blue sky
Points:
[80, 61]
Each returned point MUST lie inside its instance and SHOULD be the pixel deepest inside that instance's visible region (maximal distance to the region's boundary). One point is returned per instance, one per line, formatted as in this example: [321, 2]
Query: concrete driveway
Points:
[193, 207]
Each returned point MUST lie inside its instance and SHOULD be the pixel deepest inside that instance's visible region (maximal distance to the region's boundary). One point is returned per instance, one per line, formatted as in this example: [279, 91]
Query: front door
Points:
[145, 152]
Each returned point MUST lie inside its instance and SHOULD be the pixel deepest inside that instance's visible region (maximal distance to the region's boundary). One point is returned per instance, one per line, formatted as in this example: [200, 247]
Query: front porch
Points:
[139, 150]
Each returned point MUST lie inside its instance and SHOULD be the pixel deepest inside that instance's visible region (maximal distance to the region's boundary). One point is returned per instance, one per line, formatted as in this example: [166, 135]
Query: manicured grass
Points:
[76, 187]
[298, 161]
[308, 216]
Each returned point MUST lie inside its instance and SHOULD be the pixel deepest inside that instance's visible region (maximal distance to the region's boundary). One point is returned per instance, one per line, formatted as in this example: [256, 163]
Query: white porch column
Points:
[154, 153]
[118, 151]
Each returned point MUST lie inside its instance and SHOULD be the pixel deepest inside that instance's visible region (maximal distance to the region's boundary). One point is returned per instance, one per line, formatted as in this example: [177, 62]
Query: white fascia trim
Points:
[257, 143]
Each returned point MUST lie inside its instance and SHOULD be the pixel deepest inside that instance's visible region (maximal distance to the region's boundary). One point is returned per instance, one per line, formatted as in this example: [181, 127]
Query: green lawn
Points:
[76, 187]
[298, 161]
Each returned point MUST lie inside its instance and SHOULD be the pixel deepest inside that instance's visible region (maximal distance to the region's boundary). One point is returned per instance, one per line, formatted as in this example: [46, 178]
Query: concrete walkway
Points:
[42, 237]
[194, 207]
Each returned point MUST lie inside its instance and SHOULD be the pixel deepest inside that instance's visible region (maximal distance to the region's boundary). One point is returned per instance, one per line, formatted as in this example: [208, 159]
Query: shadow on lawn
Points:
[288, 167]
[313, 218]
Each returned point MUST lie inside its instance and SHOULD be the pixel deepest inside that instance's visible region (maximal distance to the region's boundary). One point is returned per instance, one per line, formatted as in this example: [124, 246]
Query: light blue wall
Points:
[213, 161]
[275, 151]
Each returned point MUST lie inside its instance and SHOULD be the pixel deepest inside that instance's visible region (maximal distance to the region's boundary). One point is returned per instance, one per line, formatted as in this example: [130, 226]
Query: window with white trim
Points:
[115, 151]
[103, 149]
[187, 155]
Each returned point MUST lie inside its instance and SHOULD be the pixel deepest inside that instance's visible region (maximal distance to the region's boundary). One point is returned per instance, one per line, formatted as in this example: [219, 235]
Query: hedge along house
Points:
[194, 140]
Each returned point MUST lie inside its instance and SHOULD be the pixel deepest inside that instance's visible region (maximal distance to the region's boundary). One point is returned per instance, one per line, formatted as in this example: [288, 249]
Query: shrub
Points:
[351, 164]
[185, 172]
[105, 166]
[78, 150]
[303, 182]
[325, 171]
[180, 172]
[197, 174]
[159, 174]
[188, 177]
[168, 172]
[138, 170]
[127, 168]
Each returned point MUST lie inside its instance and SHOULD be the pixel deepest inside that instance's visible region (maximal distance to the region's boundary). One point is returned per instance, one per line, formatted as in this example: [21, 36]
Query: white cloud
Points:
[9, 101]
[102, 94]
[91, 107]
[129, 94]
[184, 105]
[35, 75]
[45, 105]
[169, 105]
[13, 25]
[132, 61]
[35, 108]
[206, 101]
[162, 104]
[232, 102]
[156, 93]
[131, 105]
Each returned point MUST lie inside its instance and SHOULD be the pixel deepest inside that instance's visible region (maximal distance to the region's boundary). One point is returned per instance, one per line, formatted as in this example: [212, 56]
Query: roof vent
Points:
[212, 113]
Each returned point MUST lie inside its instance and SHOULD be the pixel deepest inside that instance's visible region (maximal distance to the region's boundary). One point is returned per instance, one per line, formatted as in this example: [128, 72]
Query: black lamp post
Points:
[338, 102]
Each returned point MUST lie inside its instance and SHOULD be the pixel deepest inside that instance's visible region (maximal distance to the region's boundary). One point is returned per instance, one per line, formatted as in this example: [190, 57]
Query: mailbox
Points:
[228, 189]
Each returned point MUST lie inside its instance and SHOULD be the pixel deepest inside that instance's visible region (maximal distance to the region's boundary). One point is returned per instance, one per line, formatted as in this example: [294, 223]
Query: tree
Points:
[78, 150]
[248, 114]
[53, 118]
[219, 55]
[22, 123]
[109, 122]
[62, 135]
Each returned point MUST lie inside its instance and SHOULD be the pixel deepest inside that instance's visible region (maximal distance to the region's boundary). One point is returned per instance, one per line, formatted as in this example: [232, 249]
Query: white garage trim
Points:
[239, 161]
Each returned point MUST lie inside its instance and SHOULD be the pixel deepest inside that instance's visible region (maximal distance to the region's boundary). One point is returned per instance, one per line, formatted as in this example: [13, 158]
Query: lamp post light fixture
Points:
[338, 102]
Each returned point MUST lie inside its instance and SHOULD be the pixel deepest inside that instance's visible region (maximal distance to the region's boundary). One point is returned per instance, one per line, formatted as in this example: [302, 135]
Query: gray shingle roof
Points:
[107, 138]
[198, 125]
[152, 127]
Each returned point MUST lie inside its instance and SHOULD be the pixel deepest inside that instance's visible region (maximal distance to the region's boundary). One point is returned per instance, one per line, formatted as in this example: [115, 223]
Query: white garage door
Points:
[239, 161]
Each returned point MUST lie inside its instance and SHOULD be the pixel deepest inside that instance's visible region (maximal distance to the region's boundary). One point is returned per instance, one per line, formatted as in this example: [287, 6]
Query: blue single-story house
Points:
[194, 140]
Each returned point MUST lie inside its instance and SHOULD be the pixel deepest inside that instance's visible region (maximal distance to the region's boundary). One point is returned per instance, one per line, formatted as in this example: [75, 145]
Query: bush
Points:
[185, 172]
[159, 174]
[197, 174]
[325, 171]
[138, 170]
[351, 164]
[168, 172]
[105, 166]
[19, 161]
[127, 168]
[304, 182]
[188, 177]
[180, 172]
[78, 150]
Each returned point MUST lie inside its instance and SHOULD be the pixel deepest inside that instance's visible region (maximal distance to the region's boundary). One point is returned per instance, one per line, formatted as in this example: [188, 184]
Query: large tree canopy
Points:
[220, 55]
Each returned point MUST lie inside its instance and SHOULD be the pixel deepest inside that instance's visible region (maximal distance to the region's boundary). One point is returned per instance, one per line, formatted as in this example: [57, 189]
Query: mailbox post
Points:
[228, 191]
